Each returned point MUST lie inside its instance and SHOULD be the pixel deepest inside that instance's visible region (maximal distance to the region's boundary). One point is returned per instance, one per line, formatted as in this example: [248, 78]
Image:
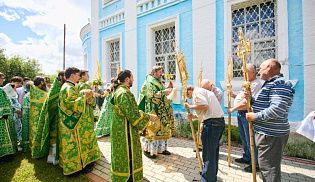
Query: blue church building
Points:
[138, 34]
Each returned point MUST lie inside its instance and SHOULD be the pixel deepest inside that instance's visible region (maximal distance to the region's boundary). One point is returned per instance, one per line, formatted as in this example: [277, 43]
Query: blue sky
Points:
[34, 29]
[12, 25]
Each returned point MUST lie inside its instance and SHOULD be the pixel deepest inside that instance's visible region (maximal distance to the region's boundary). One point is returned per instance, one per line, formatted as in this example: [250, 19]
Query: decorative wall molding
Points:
[84, 30]
[149, 6]
[112, 19]
[108, 2]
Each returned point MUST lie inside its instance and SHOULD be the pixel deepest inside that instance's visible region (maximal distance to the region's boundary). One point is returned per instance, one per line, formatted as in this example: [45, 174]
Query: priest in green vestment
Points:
[26, 117]
[78, 147]
[84, 84]
[103, 124]
[153, 99]
[127, 122]
[8, 140]
[46, 133]
[84, 81]
[38, 95]
[49, 136]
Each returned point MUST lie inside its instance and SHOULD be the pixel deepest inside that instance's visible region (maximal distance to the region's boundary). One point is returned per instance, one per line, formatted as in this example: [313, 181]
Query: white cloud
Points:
[47, 21]
[4, 39]
[9, 15]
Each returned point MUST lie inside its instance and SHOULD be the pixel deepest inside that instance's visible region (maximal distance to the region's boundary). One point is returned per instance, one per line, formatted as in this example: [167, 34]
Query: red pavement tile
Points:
[95, 178]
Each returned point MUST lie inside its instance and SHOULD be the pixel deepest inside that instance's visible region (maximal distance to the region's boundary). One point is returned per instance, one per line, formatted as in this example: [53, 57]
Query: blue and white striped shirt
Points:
[271, 106]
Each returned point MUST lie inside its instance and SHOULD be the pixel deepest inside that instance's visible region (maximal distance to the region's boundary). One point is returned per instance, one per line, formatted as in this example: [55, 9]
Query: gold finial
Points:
[243, 51]
[98, 71]
[97, 78]
[243, 48]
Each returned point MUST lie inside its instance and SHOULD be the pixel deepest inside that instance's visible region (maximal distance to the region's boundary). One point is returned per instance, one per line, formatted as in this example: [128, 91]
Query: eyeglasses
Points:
[2, 78]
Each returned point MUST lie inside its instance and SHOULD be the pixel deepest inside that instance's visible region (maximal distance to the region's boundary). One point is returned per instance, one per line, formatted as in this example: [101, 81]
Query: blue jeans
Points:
[211, 134]
[244, 134]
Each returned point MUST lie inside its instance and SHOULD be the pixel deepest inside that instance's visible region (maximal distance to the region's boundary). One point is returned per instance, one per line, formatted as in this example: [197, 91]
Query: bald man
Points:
[270, 118]
[240, 105]
[208, 107]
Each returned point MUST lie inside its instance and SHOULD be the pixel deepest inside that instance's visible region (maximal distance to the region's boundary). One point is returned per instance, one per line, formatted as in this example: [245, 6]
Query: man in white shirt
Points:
[208, 107]
[241, 108]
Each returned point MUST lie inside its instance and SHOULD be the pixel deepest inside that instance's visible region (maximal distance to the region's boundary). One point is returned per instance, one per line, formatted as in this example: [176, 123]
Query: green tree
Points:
[18, 66]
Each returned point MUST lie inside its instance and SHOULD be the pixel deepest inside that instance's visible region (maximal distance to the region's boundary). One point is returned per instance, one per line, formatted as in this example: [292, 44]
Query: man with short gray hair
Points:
[240, 107]
[270, 118]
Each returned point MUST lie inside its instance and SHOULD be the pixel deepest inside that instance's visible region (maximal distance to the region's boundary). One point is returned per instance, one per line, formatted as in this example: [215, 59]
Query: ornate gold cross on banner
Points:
[243, 51]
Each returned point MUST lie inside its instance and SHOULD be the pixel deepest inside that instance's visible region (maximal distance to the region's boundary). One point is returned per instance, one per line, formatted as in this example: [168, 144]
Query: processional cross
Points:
[243, 51]
[180, 59]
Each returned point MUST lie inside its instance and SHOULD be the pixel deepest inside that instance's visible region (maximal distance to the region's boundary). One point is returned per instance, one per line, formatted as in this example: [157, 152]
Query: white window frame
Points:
[256, 41]
[281, 29]
[106, 49]
[150, 46]
[282, 41]
[150, 43]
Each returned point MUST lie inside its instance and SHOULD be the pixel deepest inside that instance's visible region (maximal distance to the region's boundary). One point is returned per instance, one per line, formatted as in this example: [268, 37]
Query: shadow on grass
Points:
[8, 167]
[24, 168]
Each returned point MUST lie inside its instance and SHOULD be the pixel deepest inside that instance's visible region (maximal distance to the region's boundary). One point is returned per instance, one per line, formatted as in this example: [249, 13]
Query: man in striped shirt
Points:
[270, 118]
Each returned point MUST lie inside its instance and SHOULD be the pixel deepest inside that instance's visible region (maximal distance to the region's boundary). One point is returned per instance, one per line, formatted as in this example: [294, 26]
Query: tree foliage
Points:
[18, 66]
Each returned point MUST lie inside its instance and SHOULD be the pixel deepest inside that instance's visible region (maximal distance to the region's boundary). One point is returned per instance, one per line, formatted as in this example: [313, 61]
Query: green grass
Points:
[183, 129]
[235, 136]
[299, 146]
[24, 168]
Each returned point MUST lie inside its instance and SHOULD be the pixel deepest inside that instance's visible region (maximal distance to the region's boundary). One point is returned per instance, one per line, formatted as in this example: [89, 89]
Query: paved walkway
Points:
[183, 166]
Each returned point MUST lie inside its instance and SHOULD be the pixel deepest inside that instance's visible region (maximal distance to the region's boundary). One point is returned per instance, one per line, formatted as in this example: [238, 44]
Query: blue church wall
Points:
[219, 42]
[220, 67]
[183, 11]
[296, 57]
[108, 33]
[110, 9]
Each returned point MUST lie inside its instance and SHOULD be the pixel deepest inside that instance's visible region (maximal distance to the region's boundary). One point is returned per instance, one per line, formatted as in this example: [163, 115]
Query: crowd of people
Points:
[57, 121]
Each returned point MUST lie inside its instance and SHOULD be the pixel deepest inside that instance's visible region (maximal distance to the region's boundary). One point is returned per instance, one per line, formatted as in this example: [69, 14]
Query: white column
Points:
[283, 36]
[95, 37]
[204, 38]
[131, 40]
[309, 55]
